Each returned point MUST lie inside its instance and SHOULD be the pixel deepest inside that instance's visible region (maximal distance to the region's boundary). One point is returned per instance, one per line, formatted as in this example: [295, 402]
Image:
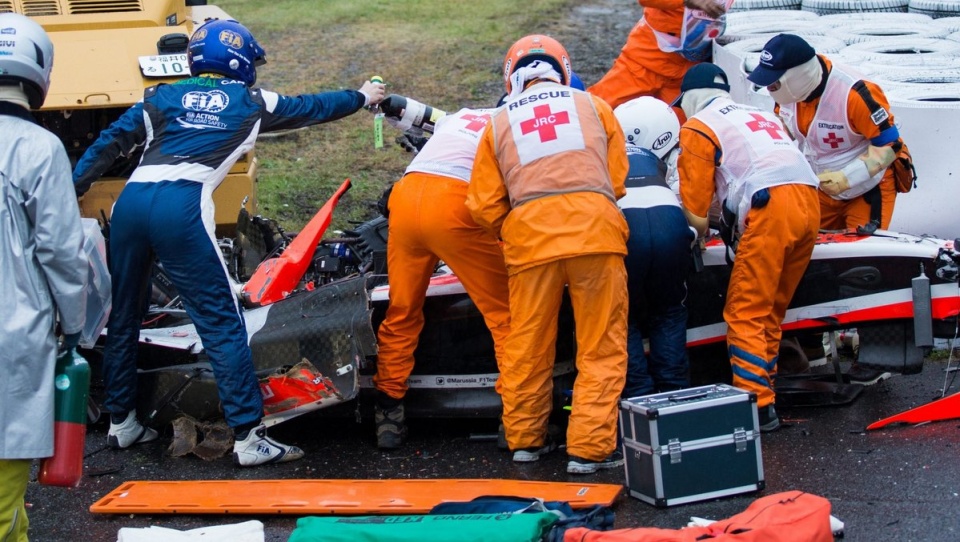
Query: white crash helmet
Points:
[649, 123]
[26, 56]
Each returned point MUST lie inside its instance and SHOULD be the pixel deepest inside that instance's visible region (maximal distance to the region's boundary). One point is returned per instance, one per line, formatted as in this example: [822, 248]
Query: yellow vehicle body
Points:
[102, 52]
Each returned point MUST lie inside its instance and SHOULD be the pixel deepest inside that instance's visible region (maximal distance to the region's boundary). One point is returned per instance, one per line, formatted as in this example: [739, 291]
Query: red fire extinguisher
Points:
[72, 382]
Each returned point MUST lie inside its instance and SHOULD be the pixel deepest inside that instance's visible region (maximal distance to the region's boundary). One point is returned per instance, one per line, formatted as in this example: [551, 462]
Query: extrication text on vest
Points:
[729, 109]
[830, 126]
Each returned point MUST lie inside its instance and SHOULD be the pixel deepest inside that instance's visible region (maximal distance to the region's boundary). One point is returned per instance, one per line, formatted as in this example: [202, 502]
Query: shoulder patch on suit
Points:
[879, 116]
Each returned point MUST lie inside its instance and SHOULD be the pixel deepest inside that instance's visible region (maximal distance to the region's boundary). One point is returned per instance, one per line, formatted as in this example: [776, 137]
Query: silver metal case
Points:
[691, 445]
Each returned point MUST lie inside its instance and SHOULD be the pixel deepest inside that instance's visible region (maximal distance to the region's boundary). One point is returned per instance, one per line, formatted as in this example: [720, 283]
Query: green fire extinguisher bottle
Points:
[72, 382]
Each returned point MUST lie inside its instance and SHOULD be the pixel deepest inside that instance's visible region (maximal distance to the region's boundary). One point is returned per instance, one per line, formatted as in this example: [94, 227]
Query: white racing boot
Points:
[128, 433]
[259, 449]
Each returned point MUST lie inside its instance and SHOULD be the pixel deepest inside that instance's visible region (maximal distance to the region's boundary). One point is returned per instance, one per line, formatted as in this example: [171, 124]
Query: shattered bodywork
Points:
[317, 348]
[307, 351]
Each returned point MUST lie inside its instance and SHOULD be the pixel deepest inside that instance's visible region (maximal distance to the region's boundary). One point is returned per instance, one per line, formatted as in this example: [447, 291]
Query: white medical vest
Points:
[453, 146]
[831, 143]
[757, 153]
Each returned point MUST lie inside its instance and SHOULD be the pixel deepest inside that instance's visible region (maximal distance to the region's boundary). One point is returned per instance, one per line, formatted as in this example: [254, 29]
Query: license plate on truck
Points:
[164, 66]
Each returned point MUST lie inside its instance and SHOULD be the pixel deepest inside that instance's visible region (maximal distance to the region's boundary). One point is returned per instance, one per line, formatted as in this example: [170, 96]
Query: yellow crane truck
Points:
[105, 53]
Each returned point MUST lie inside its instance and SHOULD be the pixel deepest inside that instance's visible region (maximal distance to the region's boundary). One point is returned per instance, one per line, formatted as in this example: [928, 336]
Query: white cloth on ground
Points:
[248, 531]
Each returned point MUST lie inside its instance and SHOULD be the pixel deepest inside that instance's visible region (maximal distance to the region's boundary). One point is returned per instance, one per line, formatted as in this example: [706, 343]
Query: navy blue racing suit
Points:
[193, 131]
[658, 262]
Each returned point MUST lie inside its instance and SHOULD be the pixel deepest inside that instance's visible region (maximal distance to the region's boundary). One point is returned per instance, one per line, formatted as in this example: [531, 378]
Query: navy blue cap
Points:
[782, 52]
[703, 75]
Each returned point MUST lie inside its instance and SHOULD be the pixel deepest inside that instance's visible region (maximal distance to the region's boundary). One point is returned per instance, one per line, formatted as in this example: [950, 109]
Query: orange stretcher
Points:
[333, 496]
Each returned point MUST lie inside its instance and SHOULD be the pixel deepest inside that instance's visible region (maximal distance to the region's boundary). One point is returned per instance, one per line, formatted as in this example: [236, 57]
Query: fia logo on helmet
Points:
[214, 101]
[231, 39]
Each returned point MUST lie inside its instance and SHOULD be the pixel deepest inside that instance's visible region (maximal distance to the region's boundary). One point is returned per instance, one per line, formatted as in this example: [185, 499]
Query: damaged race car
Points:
[313, 305]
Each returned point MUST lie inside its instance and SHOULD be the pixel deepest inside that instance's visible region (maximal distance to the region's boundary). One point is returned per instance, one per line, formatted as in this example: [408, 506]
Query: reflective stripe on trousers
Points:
[165, 218]
[771, 258]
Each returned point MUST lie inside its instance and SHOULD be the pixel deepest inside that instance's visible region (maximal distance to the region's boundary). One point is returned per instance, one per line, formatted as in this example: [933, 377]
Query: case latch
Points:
[673, 447]
[740, 439]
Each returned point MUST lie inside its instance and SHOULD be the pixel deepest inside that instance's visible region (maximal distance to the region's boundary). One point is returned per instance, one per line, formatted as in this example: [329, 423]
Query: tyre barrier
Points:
[822, 44]
[950, 23]
[741, 18]
[935, 8]
[754, 5]
[829, 7]
[876, 30]
[770, 28]
[944, 96]
[924, 77]
[928, 64]
[900, 51]
[852, 19]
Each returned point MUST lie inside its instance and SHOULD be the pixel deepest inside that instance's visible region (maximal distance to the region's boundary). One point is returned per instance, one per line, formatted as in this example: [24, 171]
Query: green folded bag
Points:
[530, 526]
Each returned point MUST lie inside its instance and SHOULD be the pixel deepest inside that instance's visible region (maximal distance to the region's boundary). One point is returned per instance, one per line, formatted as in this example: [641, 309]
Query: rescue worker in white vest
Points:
[428, 223]
[770, 217]
[549, 170]
[658, 251]
[43, 267]
[844, 127]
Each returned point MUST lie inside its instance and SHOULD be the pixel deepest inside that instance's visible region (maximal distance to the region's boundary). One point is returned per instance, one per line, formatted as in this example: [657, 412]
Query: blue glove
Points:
[760, 199]
[71, 341]
[410, 141]
[383, 202]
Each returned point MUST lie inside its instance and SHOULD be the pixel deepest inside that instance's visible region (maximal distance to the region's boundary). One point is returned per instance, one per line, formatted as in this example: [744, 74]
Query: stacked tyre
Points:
[911, 48]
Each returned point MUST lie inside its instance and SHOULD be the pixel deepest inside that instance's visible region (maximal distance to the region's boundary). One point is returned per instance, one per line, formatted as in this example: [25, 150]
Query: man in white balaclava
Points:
[844, 127]
[770, 217]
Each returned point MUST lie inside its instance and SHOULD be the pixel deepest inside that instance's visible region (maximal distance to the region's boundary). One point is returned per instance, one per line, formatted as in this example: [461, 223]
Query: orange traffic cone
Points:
[946, 408]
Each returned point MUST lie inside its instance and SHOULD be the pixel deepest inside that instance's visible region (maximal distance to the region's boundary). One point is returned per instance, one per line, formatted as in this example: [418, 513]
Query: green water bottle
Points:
[377, 118]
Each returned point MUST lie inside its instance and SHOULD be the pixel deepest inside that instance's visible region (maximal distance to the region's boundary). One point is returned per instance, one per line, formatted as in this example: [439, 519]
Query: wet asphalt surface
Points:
[899, 483]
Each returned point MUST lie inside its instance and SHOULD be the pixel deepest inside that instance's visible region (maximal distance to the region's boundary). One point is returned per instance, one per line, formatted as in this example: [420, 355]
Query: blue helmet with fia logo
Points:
[227, 48]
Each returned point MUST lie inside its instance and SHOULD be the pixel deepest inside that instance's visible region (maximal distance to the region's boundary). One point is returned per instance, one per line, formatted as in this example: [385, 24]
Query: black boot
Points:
[391, 429]
[769, 421]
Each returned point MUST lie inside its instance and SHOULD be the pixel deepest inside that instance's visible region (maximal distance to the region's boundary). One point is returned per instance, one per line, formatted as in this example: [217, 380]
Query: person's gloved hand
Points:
[833, 183]
[760, 199]
[411, 141]
[699, 242]
[382, 203]
[71, 341]
[712, 8]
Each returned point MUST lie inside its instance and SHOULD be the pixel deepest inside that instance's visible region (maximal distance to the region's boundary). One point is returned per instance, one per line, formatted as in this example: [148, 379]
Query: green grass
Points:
[444, 53]
[943, 354]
